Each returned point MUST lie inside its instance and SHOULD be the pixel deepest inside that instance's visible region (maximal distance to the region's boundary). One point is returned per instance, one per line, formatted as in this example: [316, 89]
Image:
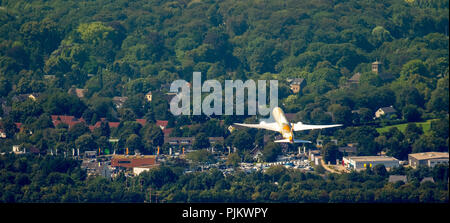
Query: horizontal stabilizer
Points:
[301, 141]
[295, 141]
[300, 126]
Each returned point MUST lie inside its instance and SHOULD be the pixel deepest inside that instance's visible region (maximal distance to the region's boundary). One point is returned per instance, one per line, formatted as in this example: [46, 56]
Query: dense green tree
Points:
[5, 86]
[439, 100]
[411, 113]
[271, 152]
[152, 136]
[233, 159]
[201, 141]
[414, 67]
[242, 140]
[85, 142]
[77, 130]
[202, 156]
[60, 103]
[330, 153]
[412, 132]
[341, 114]
[134, 142]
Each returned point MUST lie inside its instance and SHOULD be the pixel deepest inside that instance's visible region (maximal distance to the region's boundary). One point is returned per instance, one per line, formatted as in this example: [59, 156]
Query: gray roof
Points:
[388, 110]
[426, 179]
[355, 77]
[396, 178]
[429, 155]
[298, 81]
[348, 149]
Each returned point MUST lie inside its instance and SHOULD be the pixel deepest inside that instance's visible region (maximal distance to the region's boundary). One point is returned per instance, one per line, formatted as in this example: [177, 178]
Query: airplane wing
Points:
[273, 126]
[300, 126]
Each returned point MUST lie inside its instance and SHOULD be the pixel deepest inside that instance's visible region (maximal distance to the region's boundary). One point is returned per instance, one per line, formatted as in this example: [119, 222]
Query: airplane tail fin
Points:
[294, 141]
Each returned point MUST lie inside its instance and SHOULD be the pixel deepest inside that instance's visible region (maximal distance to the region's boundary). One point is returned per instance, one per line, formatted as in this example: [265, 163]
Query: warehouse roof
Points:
[429, 155]
[372, 158]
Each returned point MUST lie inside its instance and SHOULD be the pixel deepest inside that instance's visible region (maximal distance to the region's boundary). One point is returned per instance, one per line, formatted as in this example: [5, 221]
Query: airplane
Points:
[286, 129]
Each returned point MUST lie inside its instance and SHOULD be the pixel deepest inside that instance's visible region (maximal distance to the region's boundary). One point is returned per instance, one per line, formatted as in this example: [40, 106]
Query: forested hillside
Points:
[128, 48]
[81, 58]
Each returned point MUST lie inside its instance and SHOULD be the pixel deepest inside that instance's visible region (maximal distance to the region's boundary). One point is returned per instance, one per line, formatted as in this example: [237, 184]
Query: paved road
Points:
[341, 169]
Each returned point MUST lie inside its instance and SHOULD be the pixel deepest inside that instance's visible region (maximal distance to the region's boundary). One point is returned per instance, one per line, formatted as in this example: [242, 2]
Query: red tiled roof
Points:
[66, 119]
[97, 125]
[34, 150]
[162, 123]
[113, 124]
[141, 121]
[18, 124]
[167, 132]
[132, 161]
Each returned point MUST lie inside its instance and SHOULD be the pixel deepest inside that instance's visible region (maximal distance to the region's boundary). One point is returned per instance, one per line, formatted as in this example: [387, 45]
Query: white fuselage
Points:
[285, 126]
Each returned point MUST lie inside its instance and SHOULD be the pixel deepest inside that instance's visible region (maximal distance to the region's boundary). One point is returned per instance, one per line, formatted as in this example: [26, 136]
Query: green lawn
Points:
[425, 126]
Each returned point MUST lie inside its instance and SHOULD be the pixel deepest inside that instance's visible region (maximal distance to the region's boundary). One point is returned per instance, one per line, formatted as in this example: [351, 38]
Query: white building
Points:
[362, 162]
[16, 150]
[429, 159]
[139, 169]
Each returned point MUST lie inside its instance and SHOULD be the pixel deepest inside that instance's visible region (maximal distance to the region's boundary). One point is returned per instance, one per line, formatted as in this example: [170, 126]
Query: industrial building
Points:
[131, 161]
[429, 159]
[362, 162]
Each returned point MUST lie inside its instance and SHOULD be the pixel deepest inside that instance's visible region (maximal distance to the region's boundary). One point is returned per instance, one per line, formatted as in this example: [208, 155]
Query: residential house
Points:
[427, 179]
[66, 119]
[387, 112]
[167, 132]
[114, 124]
[162, 124]
[24, 97]
[79, 92]
[216, 140]
[188, 141]
[397, 178]
[119, 101]
[143, 122]
[297, 84]
[348, 150]
[354, 80]
[16, 149]
[148, 96]
[179, 141]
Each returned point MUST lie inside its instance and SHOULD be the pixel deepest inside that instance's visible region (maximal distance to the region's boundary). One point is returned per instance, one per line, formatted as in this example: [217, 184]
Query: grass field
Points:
[425, 126]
